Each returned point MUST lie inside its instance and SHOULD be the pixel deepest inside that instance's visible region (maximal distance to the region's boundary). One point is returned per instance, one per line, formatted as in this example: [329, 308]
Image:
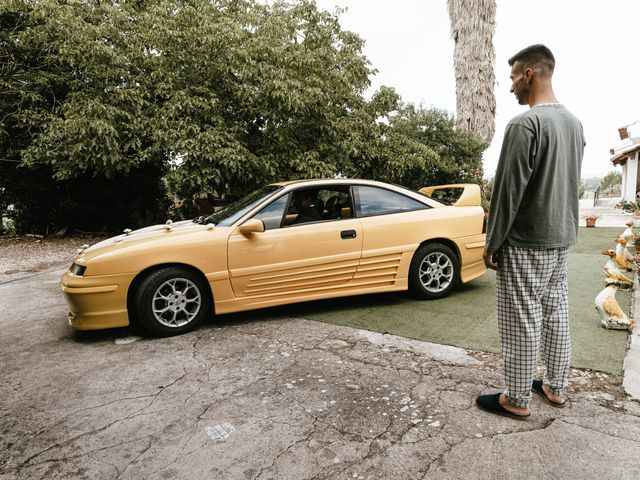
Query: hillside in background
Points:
[591, 183]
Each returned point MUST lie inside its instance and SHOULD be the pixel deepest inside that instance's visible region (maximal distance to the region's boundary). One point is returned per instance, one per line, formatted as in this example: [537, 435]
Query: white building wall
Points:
[637, 162]
[630, 179]
[629, 140]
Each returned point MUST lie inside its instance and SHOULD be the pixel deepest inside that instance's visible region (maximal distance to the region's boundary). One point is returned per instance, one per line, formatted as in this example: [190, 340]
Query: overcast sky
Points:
[596, 44]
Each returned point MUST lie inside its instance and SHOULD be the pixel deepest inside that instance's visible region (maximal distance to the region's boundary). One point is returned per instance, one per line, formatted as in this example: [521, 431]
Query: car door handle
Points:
[348, 234]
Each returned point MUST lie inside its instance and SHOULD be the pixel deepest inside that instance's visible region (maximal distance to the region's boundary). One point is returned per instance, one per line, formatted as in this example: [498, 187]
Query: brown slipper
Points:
[491, 403]
[537, 386]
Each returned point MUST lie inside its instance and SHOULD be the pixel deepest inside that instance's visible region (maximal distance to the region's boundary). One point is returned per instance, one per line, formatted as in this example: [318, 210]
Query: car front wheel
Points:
[434, 271]
[171, 301]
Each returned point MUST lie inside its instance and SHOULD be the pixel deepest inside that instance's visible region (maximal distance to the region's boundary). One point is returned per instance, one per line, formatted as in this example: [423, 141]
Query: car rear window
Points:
[380, 201]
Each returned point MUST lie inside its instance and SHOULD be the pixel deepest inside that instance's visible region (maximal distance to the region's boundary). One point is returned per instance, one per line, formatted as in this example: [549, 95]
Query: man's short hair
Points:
[535, 56]
[307, 193]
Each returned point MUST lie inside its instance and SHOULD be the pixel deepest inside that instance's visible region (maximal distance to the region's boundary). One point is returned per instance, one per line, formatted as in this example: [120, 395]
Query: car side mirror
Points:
[255, 225]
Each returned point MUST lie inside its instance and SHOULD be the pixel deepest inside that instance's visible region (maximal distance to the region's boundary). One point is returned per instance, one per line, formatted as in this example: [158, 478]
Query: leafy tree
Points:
[58, 166]
[412, 145]
[612, 182]
[487, 190]
[223, 95]
[231, 93]
[450, 155]
[220, 96]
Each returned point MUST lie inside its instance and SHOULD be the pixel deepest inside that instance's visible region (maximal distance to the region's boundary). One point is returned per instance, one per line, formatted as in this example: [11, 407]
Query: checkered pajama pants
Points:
[533, 318]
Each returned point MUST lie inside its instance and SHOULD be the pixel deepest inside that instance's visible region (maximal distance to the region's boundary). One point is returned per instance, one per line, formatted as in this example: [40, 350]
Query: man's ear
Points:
[528, 74]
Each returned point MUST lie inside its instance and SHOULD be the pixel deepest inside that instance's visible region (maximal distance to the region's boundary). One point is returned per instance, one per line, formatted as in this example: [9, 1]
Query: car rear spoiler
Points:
[470, 196]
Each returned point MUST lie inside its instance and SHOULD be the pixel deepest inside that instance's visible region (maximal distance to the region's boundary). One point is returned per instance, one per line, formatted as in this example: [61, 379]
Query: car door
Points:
[294, 260]
[390, 234]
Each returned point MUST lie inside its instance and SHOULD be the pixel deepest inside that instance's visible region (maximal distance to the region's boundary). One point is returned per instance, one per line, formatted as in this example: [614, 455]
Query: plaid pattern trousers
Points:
[533, 318]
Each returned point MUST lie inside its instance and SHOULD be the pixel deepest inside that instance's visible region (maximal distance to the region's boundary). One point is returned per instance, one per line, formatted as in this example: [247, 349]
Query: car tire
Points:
[171, 301]
[434, 271]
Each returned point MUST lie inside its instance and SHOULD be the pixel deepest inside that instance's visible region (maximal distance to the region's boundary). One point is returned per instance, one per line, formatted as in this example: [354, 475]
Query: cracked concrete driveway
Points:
[259, 396]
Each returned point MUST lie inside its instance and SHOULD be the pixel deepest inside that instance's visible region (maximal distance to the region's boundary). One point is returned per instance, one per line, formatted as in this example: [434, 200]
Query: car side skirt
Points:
[252, 303]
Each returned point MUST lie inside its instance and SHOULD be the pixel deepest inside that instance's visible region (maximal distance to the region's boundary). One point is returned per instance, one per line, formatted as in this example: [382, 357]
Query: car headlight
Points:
[77, 269]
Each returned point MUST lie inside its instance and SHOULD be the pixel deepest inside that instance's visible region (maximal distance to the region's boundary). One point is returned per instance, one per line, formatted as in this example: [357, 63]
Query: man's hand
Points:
[490, 259]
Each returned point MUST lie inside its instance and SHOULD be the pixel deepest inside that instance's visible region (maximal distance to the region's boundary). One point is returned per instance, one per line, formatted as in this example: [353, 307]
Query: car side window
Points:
[380, 201]
[336, 203]
[318, 204]
[273, 213]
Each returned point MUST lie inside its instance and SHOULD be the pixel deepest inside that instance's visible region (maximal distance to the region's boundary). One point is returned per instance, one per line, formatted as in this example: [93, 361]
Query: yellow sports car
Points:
[287, 242]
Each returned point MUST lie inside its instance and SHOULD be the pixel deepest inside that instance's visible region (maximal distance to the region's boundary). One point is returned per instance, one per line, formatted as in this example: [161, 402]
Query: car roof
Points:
[319, 182]
[333, 181]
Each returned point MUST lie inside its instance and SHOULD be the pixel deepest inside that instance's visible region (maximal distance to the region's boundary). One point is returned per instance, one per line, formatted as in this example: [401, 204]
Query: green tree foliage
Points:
[211, 96]
[487, 192]
[55, 169]
[431, 150]
[228, 92]
[611, 182]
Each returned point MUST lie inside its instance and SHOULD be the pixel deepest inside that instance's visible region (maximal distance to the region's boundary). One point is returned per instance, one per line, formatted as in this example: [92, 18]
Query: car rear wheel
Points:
[434, 271]
[171, 301]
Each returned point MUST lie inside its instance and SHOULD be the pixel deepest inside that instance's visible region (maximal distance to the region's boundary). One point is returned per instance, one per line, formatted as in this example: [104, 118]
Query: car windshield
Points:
[230, 213]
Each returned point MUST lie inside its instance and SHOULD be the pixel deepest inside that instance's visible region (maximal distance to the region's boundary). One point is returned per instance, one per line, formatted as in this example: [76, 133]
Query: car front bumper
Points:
[96, 302]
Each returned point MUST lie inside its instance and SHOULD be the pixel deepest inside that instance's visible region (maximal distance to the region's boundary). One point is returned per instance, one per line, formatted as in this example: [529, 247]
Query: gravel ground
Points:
[22, 256]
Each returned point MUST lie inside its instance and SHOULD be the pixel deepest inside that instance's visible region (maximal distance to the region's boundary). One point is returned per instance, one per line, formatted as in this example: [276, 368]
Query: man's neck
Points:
[542, 94]
[550, 101]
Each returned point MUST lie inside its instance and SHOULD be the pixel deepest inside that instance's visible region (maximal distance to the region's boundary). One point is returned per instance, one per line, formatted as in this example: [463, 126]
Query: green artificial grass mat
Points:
[467, 318]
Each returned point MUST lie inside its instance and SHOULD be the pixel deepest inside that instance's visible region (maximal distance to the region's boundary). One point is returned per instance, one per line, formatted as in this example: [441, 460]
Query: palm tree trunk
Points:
[472, 27]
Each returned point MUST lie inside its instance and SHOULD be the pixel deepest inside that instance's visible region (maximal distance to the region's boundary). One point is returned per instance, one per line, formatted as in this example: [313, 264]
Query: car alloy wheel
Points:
[434, 271]
[171, 300]
[176, 302]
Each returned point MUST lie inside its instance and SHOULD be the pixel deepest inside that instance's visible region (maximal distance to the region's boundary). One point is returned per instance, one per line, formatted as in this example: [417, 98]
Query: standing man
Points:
[533, 219]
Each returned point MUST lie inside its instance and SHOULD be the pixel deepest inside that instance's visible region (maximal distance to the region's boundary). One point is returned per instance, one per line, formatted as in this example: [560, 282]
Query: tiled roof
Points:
[623, 154]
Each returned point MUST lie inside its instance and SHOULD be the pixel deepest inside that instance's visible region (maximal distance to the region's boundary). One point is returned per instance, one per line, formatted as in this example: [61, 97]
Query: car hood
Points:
[147, 237]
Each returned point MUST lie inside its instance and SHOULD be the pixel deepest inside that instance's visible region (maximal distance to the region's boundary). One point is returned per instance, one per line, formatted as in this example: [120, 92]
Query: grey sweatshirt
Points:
[535, 195]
